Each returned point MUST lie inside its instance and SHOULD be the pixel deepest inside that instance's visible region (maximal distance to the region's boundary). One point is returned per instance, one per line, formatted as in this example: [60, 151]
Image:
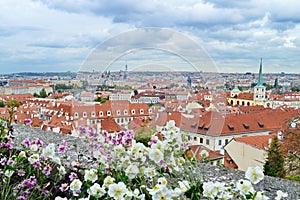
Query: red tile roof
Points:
[109, 125]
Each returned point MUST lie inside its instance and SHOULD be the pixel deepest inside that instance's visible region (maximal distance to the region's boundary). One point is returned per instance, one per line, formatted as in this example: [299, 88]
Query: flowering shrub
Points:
[118, 167]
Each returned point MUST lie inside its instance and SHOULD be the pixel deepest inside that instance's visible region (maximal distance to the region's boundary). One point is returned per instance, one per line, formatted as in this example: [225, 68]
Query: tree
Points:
[43, 93]
[12, 106]
[2, 104]
[274, 165]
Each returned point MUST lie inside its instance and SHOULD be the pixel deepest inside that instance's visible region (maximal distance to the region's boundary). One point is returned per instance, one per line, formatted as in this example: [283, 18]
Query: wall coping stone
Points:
[205, 171]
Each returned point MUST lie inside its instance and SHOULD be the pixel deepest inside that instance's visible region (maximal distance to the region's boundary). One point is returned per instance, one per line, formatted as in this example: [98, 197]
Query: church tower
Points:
[260, 89]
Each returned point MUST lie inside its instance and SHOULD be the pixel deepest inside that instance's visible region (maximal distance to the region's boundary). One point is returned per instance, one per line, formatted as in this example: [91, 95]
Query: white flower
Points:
[62, 170]
[96, 191]
[261, 196]
[117, 191]
[208, 189]
[22, 154]
[49, 151]
[8, 173]
[118, 150]
[155, 154]
[280, 195]
[56, 160]
[75, 185]
[131, 171]
[162, 181]
[34, 158]
[244, 186]
[108, 181]
[155, 189]
[136, 194]
[150, 172]
[34, 147]
[184, 185]
[164, 194]
[254, 174]
[60, 198]
[90, 175]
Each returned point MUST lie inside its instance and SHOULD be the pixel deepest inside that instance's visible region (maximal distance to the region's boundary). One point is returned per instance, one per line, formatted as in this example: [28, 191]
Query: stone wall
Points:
[206, 172]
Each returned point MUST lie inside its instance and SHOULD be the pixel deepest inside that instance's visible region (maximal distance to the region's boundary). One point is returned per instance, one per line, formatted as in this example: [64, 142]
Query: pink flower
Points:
[39, 142]
[36, 165]
[62, 149]
[21, 172]
[27, 122]
[26, 142]
[72, 176]
[10, 162]
[64, 187]
[47, 170]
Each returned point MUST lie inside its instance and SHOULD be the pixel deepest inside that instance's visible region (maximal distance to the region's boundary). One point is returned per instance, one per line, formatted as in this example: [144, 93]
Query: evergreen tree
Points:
[274, 165]
[43, 93]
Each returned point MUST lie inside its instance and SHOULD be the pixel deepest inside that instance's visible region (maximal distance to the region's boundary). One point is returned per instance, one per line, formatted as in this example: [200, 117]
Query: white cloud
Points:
[44, 32]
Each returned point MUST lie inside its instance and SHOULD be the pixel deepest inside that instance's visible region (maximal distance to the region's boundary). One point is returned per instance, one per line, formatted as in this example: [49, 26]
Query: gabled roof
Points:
[109, 125]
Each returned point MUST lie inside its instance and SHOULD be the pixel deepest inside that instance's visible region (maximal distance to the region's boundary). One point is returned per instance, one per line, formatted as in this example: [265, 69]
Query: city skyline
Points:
[39, 36]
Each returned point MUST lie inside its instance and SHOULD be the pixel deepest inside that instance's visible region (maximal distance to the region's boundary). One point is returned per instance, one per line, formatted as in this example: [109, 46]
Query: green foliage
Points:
[101, 100]
[295, 89]
[2, 104]
[274, 165]
[143, 138]
[43, 93]
[63, 87]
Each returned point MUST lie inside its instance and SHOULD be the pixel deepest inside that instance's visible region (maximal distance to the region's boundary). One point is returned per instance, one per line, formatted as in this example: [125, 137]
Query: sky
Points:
[230, 35]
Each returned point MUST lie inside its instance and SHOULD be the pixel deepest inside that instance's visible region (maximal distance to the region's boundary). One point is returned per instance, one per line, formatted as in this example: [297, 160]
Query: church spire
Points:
[260, 81]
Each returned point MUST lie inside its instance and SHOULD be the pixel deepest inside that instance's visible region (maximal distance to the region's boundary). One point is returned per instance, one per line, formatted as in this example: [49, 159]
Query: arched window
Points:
[101, 113]
[118, 112]
[76, 115]
[125, 112]
[133, 111]
[93, 114]
[84, 114]
[141, 111]
[108, 113]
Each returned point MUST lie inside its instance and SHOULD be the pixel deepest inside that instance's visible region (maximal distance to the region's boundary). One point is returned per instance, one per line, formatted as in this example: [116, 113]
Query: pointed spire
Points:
[260, 81]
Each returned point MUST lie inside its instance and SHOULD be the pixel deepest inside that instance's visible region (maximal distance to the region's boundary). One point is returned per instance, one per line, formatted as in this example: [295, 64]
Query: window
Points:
[108, 113]
[125, 112]
[201, 140]
[220, 142]
[118, 112]
[101, 113]
[142, 111]
[84, 114]
[150, 110]
[207, 141]
[93, 114]
[133, 111]
[76, 115]
[226, 141]
[195, 138]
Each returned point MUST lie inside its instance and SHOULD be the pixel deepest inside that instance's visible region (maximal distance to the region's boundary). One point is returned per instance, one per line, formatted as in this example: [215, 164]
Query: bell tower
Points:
[260, 89]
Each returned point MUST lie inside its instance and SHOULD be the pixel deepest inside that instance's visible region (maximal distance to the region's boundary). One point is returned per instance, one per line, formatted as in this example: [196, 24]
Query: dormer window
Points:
[101, 113]
[133, 111]
[142, 111]
[125, 112]
[150, 110]
[93, 114]
[231, 127]
[84, 114]
[108, 113]
[76, 115]
[260, 124]
[246, 126]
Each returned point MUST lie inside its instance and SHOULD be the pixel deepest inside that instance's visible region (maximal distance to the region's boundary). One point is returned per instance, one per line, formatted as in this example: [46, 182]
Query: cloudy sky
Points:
[62, 35]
